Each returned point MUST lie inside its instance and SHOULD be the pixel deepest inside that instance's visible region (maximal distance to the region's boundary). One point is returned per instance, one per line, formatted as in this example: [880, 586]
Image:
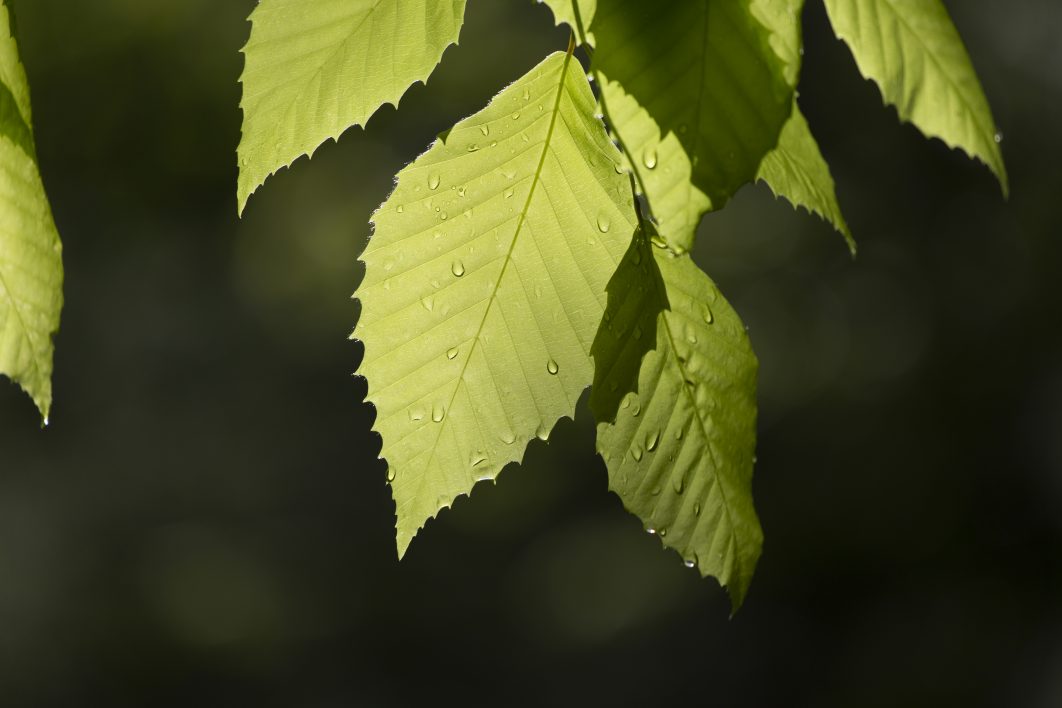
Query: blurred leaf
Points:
[31, 268]
[912, 51]
[485, 284]
[317, 67]
[680, 452]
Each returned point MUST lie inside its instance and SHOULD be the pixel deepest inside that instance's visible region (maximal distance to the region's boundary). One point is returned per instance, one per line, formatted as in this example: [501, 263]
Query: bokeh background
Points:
[206, 522]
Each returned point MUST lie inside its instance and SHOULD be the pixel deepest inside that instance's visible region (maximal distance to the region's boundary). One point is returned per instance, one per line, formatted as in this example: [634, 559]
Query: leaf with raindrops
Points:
[680, 450]
[485, 285]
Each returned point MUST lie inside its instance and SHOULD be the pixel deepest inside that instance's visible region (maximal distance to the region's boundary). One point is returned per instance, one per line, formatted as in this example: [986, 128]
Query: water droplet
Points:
[508, 437]
[679, 485]
[527, 95]
[697, 509]
[998, 137]
[649, 158]
[494, 143]
[619, 168]
[706, 313]
[516, 115]
[477, 458]
[509, 193]
[437, 413]
[651, 440]
[433, 181]
[390, 474]
[457, 268]
[400, 208]
[637, 452]
[451, 353]
[444, 216]
[415, 414]
[461, 191]
[551, 367]
[485, 129]
[542, 433]
[473, 147]
[389, 264]
[689, 563]
[428, 303]
[650, 530]
[603, 223]
[627, 402]
[657, 240]
[662, 532]
[691, 334]
[678, 434]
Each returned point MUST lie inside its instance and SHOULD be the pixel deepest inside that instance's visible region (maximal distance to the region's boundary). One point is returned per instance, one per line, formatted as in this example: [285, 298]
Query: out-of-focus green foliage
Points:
[31, 267]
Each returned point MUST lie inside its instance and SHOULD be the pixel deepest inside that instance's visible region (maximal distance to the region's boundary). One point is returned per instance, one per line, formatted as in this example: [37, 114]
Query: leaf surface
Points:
[912, 51]
[317, 67]
[31, 268]
[485, 284]
[797, 171]
[705, 72]
[679, 450]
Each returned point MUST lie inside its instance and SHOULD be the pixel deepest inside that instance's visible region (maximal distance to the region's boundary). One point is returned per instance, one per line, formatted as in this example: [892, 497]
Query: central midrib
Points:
[508, 256]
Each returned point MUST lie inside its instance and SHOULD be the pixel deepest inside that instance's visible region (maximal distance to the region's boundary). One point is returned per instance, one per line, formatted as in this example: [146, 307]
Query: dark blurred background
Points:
[205, 522]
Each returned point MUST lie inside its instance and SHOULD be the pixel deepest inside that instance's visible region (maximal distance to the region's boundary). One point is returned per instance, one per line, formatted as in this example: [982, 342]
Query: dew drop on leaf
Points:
[508, 437]
[689, 563]
[433, 181]
[697, 509]
[651, 440]
[451, 353]
[485, 129]
[516, 115]
[457, 268]
[400, 208]
[428, 303]
[437, 413]
[603, 223]
[473, 147]
[998, 137]
[649, 158]
[509, 193]
[706, 313]
[637, 452]
[551, 367]
[390, 474]
[477, 458]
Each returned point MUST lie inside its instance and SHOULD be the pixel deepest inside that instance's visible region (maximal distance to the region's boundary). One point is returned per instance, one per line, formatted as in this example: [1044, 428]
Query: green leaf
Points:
[317, 67]
[658, 158]
[485, 284]
[797, 171]
[31, 268]
[912, 51]
[707, 73]
[680, 450]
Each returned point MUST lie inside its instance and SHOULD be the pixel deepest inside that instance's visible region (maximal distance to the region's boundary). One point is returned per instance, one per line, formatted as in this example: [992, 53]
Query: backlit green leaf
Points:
[706, 73]
[797, 171]
[912, 51]
[680, 450]
[31, 268]
[317, 67]
[485, 284]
